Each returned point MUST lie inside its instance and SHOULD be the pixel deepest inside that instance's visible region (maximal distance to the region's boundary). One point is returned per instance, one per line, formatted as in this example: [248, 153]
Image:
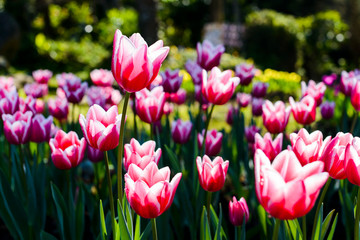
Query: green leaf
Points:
[243, 230]
[32, 203]
[173, 159]
[205, 233]
[46, 236]
[60, 209]
[123, 228]
[216, 221]
[295, 229]
[137, 228]
[146, 232]
[319, 224]
[218, 228]
[332, 231]
[262, 218]
[326, 223]
[129, 219]
[79, 213]
[102, 222]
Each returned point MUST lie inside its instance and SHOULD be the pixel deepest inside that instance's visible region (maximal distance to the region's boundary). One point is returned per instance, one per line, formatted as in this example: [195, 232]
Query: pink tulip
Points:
[243, 99]
[58, 108]
[219, 87]
[352, 161]
[333, 155]
[327, 109]
[213, 142]
[6, 84]
[245, 72]
[31, 104]
[314, 90]
[259, 89]
[53, 130]
[304, 111]
[208, 55]
[230, 115]
[275, 116]
[9, 104]
[178, 97]
[308, 147]
[150, 104]
[134, 64]
[268, 146]
[63, 77]
[74, 89]
[67, 151]
[96, 95]
[149, 191]
[237, 211]
[355, 96]
[102, 77]
[284, 188]
[94, 155]
[140, 155]
[155, 83]
[250, 133]
[17, 127]
[257, 106]
[329, 79]
[36, 90]
[171, 80]
[168, 108]
[39, 106]
[211, 174]
[42, 76]
[40, 128]
[347, 82]
[181, 131]
[195, 71]
[101, 128]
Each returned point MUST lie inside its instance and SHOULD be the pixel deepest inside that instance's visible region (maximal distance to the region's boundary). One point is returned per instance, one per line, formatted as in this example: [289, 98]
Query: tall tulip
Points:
[275, 116]
[150, 104]
[208, 55]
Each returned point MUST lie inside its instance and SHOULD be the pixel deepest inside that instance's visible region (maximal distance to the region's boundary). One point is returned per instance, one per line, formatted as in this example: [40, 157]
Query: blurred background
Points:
[308, 37]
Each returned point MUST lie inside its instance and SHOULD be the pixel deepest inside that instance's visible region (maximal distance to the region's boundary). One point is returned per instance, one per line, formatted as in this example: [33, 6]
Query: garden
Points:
[127, 120]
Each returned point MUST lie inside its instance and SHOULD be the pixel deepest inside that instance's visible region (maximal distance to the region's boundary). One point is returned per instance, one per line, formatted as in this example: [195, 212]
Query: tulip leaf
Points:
[295, 230]
[173, 159]
[332, 231]
[129, 219]
[262, 218]
[123, 228]
[146, 232]
[80, 210]
[326, 223]
[60, 209]
[243, 230]
[318, 226]
[32, 209]
[102, 222]
[205, 233]
[46, 236]
[137, 228]
[216, 221]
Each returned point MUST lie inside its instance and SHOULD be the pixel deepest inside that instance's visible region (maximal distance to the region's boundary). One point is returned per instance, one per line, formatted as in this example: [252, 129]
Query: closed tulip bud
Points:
[102, 77]
[268, 146]
[230, 115]
[314, 90]
[74, 89]
[219, 87]
[94, 155]
[39, 106]
[36, 90]
[250, 133]
[150, 104]
[327, 109]
[284, 188]
[213, 142]
[195, 71]
[275, 116]
[304, 111]
[178, 97]
[208, 55]
[259, 89]
[211, 174]
[149, 191]
[181, 131]
[237, 211]
[329, 79]
[41, 128]
[67, 151]
[58, 108]
[134, 64]
[17, 127]
[245, 72]
[347, 82]
[42, 76]
[140, 155]
[10, 102]
[257, 106]
[171, 80]
[243, 99]
[101, 128]
[352, 161]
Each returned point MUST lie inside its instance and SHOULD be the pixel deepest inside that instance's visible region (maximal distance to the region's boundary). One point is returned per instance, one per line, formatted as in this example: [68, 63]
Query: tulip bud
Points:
[181, 131]
[42, 76]
[208, 55]
[243, 99]
[329, 79]
[171, 80]
[102, 77]
[245, 72]
[150, 104]
[237, 211]
[259, 89]
[41, 128]
[275, 116]
[304, 111]
[316, 91]
[17, 127]
[213, 142]
[327, 109]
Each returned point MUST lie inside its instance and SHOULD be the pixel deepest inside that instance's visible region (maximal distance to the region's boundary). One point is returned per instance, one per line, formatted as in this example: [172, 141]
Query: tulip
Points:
[36, 90]
[41, 128]
[213, 142]
[134, 64]
[327, 109]
[149, 191]
[6, 84]
[63, 77]
[96, 95]
[67, 151]
[308, 147]
[9, 104]
[42, 76]
[195, 71]
[53, 130]
[171, 80]
[220, 86]
[140, 155]
[102, 77]
[355, 96]
[101, 128]
[150, 104]
[212, 174]
[259, 89]
[333, 155]
[58, 108]
[208, 55]
[352, 161]
[181, 131]
[314, 90]
[329, 79]
[74, 89]
[178, 97]
[268, 146]
[257, 106]
[94, 155]
[230, 115]
[245, 72]
[39, 106]
[157, 82]
[237, 211]
[250, 133]
[168, 108]
[347, 82]
[17, 127]
[243, 99]
[304, 111]
[275, 116]
[198, 95]
[284, 188]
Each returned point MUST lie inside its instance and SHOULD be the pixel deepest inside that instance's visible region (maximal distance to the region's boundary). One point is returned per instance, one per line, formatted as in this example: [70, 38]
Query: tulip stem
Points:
[111, 199]
[73, 117]
[357, 216]
[121, 148]
[321, 199]
[238, 232]
[208, 203]
[154, 232]
[135, 124]
[208, 117]
[354, 122]
[304, 227]
[276, 229]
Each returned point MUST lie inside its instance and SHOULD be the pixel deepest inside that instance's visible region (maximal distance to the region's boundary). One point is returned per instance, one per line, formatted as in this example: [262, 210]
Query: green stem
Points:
[121, 148]
[238, 232]
[357, 216]
[73, 116]
[208, 117]
[208, 203]
[135, 124]
[321, 199]
[354, 122]
[304, 227]
[276, 229]
[111, 198]
[154, 232]
[151, 131]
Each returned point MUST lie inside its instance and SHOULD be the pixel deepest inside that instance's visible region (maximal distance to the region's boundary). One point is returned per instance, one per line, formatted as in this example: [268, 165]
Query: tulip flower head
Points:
[178, 97]
[63, 77]
[41, 128]
[259, 89]
[6, 84]
[275, 116]
[9, 103]
[355, 96]
[245, 72]
[96, 95]
[42, 76]
[74, 89]
[208, 55]
[250, 133]
[168, 108]
[230, 115]
[150, 104]
[101, 128]
[171, 80]
[212, 174]
[268, 146]
[304, 111]
[102, 77]
[150, 191]
[327, 109]
[67, 151]
[181, 131]
[195, 71]
[58, 108]
[329, 79]
[213, 142]
[134, 64]
[352, 161]
[347, 82]
[257, 106]
[198, 94]
[36, 90]
[243, 99]
[237, 211]
[284, 188]
[17, 127]
[94, 155]
[316, 91]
